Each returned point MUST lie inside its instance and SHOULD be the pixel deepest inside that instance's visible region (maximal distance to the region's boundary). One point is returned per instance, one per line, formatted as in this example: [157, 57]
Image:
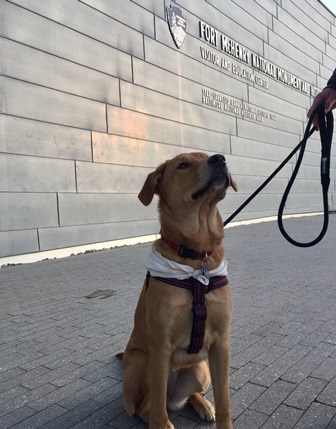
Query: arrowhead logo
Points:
[177, 24]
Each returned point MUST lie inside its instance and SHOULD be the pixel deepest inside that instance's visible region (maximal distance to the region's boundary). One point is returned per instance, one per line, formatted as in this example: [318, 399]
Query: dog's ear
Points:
[150, 186]
[233, 184]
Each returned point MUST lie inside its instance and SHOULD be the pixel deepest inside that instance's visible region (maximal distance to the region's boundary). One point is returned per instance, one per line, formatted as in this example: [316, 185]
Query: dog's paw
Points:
[207, 411]
[203, 407]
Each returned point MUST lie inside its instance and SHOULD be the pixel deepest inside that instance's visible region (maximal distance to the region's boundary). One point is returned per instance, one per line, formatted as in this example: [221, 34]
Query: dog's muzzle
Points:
[218, 175]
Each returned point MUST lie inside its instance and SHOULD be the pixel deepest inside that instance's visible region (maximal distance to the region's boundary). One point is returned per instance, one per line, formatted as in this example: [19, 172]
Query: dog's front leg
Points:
[219, 361]
[159, 359]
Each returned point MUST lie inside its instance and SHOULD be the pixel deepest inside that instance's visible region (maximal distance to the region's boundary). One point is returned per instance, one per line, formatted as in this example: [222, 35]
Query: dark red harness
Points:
[198, 290]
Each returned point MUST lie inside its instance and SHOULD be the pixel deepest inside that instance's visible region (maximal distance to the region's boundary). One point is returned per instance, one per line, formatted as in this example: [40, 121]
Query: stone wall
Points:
[95, 94]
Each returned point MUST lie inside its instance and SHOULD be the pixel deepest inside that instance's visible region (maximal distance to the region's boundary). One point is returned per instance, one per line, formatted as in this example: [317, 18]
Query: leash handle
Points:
[275, 172]
[326, 125]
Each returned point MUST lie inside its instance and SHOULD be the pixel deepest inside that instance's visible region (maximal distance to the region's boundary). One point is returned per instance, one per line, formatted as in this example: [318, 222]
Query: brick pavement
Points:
[57, 363]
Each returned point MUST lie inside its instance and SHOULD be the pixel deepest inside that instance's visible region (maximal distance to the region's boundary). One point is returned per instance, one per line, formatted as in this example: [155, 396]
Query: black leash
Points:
[326, 125]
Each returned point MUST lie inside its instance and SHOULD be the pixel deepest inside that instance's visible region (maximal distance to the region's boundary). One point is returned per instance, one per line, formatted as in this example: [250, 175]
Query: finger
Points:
[317, 100]
[315, 123]
[329, 103]
[310, 111]
[321, 98]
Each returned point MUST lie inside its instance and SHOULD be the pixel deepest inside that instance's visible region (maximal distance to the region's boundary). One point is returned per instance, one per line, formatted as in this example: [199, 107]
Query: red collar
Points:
[186, 252]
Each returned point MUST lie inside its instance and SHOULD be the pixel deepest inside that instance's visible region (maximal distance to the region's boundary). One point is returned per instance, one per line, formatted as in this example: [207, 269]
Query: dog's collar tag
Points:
[204, 270]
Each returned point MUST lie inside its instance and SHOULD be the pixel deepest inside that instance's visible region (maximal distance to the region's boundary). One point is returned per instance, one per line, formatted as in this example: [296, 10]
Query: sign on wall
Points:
[223, 53]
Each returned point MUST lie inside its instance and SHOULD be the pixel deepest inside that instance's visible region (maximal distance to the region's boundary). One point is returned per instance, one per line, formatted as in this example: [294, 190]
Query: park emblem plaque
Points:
[177, 24]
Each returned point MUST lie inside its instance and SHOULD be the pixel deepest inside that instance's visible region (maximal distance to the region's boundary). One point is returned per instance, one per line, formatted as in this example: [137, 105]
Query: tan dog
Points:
[159, 373]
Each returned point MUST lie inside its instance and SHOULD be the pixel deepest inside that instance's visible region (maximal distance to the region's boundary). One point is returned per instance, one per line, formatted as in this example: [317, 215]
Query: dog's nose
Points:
[217, 159]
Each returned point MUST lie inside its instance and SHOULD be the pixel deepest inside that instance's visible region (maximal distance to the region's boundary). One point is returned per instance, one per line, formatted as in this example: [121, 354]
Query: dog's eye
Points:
[182, 166]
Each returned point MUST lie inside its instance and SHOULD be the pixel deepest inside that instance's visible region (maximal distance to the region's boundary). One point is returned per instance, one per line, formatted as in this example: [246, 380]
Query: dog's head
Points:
[188, 178]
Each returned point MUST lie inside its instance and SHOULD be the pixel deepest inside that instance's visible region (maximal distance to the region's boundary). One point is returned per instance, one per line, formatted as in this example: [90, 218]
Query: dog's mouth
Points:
[217, 183]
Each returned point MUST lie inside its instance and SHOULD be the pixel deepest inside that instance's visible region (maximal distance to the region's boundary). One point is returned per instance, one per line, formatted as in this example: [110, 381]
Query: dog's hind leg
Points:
[185, 386]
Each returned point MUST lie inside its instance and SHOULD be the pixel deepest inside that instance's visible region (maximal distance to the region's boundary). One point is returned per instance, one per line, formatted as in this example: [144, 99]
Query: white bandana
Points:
[159, 266]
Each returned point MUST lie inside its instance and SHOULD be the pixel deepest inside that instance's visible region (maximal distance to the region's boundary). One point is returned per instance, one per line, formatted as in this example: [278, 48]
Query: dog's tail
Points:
[120, 356]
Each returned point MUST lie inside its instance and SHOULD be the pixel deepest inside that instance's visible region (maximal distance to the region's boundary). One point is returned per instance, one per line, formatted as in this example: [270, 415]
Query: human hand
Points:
[328, 98]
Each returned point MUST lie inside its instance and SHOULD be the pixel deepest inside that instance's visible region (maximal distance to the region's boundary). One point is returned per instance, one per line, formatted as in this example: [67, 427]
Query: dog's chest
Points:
[201, 303]
[216, 326]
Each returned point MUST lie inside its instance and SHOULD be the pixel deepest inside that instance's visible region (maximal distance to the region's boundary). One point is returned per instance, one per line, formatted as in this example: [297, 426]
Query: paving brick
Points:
[15, 417]
[308, 363]
[109, 395]
[59, 394]
[305, 393]
[274, 371]
[24, 378]
[256, 349]
[315, 338]
[12, 393]
[317, 416]
[244, 374]
[272, 398]
[270, 355]
[104, 355]
[113, 370]
[38, 420]
[45, 360]
[331, 338]
[244, 397]
[240, 344]
[50, 376]
[74, 416]
[79, 372]
[26, 398]
[272, 327]
[330, 325]
[283, 417]
[332, 424]
[326, 370]
[124, 421]
[182, 423]
[294, 338]
[289, 327]
[97, 419]
[53, 363]
[13, 360]
[250, 419]
[328, 395]
[12, 373]
[90, 391]
[246, 330]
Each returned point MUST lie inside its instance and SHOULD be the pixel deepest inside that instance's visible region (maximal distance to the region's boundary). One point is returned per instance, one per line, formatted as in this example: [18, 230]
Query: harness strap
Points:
[198, 290]
[200, 314]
